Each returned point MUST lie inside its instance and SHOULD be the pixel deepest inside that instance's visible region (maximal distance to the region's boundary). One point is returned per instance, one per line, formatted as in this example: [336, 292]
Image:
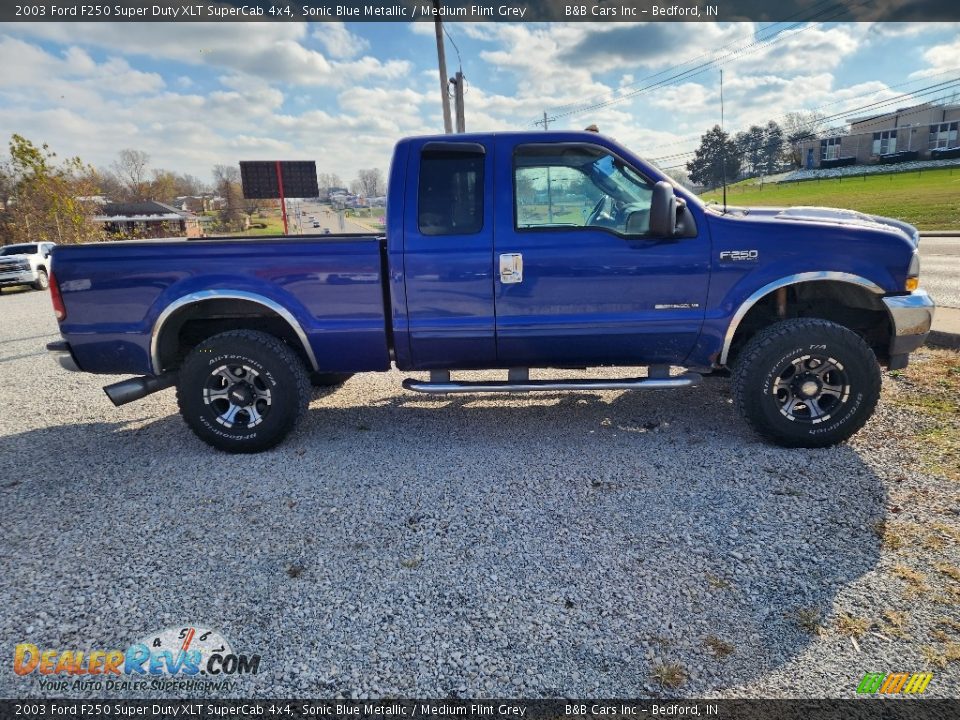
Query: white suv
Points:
[26, 264]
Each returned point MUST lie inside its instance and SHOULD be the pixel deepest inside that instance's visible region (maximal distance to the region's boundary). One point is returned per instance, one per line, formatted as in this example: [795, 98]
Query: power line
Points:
[716, 61]
[688, 138]
[929, 90]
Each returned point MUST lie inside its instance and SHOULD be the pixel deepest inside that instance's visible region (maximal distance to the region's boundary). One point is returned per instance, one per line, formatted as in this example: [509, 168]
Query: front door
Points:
[581, 280]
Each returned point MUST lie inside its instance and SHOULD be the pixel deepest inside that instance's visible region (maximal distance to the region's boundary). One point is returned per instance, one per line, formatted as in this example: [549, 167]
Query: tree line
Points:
[759, 150]
[44, 197]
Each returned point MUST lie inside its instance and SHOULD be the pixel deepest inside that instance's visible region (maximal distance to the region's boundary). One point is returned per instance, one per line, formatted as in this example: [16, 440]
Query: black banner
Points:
[866, 709]
[479, 11]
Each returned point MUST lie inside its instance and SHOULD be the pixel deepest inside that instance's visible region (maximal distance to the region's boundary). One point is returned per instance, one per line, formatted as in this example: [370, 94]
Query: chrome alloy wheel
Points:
[238, 396]
[811, 389]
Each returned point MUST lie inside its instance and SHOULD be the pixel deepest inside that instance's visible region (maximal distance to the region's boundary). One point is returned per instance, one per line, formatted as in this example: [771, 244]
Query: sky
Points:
[194, 95]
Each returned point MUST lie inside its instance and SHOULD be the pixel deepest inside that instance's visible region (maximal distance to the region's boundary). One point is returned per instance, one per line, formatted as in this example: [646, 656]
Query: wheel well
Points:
[846, 304]
[190, 325]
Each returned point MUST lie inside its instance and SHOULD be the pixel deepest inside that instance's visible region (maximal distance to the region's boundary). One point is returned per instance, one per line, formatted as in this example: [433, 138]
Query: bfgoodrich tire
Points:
[242, 391]
[806, 382]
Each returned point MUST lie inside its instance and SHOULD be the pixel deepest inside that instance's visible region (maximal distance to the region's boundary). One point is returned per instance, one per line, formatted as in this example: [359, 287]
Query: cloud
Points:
[339, 42]
[941, 58]
[272, 51]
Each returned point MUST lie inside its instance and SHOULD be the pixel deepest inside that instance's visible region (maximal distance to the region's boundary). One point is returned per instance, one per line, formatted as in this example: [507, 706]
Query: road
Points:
[940, 268]
[328, 219]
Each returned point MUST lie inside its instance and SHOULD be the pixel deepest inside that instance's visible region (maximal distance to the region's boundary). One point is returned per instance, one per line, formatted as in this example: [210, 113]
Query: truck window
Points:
[451, 193]
[579, 186]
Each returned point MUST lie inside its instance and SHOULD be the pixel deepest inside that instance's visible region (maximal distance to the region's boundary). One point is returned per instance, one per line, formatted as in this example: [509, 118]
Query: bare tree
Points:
[800, 126]
[226, 179]
[131, 169]
[368, 183]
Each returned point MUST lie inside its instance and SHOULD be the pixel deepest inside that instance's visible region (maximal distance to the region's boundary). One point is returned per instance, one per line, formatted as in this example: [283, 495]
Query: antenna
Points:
[723, 151]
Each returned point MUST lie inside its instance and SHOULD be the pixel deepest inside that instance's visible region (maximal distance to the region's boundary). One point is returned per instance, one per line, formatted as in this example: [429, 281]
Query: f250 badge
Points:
[739, 255]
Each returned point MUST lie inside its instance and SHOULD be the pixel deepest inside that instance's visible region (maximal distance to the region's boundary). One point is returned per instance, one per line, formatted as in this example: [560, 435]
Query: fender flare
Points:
[784, 282]
[201, 296]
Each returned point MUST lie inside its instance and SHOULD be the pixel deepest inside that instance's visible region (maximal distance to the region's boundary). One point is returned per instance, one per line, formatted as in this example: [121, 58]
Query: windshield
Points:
[19, 250]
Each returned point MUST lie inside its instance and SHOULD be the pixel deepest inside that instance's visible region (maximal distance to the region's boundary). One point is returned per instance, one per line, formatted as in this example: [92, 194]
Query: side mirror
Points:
[663, 210]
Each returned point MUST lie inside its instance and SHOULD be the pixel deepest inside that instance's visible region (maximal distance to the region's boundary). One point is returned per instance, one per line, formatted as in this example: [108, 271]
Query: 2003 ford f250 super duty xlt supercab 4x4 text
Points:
[510, 251]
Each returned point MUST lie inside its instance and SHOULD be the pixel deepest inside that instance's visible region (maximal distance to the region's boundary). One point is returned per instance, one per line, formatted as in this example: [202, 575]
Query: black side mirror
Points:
[663, 210]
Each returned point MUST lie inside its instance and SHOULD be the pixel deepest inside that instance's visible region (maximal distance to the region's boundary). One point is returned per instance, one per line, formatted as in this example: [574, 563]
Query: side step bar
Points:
[491, 386]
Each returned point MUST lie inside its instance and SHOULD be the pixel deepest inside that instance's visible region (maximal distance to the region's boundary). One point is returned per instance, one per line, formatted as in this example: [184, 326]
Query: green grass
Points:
[930, 199]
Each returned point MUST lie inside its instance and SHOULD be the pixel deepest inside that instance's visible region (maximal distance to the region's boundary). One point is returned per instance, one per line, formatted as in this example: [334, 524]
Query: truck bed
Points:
[116, 292]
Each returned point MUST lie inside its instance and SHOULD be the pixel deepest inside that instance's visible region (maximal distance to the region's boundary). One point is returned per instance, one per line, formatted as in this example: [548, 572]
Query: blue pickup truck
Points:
[509, 251]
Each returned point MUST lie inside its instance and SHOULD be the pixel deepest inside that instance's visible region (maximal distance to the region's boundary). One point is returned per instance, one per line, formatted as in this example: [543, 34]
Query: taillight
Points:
[58, 308]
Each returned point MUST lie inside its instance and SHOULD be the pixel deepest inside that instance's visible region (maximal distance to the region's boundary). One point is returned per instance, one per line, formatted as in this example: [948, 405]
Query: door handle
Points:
[511, 268]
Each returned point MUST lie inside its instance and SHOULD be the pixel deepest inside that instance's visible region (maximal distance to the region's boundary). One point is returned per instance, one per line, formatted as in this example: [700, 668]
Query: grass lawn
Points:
[929, 199]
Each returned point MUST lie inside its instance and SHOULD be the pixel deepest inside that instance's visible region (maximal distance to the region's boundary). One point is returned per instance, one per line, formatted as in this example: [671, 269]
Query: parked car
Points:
[316, 223]
[26, 264]
[481, 268]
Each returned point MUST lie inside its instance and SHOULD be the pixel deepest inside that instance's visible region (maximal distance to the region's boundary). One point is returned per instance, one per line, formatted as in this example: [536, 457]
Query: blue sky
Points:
[194, 95]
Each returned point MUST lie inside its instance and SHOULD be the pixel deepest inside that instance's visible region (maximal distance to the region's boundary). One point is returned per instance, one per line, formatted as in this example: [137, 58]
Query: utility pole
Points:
[545, 121]
[442, 58]
[458, 102]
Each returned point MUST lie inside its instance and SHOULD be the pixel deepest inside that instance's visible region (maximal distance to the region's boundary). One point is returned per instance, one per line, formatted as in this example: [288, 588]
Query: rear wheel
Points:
[42, 282]
[806, 382]
[242, 391]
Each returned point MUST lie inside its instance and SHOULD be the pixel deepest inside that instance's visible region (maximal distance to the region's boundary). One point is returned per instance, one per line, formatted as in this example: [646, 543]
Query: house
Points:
[149, 219]
[921, 132]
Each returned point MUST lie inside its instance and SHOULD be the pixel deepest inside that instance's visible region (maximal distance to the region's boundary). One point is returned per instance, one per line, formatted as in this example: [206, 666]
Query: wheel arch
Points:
[232, 309]
[868, 290]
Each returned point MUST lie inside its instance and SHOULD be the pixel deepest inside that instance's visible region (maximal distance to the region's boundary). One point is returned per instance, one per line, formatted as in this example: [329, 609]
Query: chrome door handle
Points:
[511, 268]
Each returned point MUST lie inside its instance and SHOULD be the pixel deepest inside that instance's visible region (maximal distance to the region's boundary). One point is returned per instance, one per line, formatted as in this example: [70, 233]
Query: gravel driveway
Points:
[604, 545]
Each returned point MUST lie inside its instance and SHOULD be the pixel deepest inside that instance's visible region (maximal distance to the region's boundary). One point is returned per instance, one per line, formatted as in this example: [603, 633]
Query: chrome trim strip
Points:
[784, 282]
[685, 380]
[202, 295]
[910, 314]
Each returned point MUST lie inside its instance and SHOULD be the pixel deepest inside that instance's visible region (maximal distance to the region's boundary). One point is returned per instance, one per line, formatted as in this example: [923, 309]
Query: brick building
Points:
[921, 132]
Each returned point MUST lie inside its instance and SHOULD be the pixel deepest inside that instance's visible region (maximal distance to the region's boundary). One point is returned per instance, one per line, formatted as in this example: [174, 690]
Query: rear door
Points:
[448, 254]
[581, 279]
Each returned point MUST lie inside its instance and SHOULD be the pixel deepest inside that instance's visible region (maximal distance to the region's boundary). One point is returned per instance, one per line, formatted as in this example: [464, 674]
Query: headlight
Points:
[913, 273]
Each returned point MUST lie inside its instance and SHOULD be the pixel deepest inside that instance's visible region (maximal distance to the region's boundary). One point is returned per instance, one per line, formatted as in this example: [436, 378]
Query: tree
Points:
[226, 179]
[325, 181]
[368, 183]
[131, 170]
[773, 150]
[716, 159]
[50, 199]
[800, 126]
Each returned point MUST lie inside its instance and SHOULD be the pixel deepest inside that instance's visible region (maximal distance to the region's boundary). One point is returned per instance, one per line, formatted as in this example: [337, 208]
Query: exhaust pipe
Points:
[126, 391]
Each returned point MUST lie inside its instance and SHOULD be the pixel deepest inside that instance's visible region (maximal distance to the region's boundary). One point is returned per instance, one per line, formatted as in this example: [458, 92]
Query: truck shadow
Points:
[569, 544]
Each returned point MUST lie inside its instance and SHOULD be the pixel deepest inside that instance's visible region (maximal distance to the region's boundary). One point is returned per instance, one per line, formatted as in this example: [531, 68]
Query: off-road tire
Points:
[242, 391]
[329, 380]
[42, 282]
[780, 364]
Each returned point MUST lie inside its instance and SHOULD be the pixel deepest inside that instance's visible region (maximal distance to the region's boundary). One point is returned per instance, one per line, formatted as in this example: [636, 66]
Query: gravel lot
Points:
[552, 545]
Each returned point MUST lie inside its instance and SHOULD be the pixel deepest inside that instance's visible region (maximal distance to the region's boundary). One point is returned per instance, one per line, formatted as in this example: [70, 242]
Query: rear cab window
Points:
[450, 193]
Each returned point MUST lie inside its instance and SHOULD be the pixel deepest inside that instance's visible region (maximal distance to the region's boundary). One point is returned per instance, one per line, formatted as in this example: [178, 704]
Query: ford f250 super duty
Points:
[509, 251]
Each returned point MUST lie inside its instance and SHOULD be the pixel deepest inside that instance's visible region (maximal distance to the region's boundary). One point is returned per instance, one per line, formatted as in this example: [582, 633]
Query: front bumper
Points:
[24, 277]
[60, 349]
[910, 317]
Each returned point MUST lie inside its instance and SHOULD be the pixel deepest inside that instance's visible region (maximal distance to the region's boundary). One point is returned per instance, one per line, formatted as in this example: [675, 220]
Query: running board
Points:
[491, 386]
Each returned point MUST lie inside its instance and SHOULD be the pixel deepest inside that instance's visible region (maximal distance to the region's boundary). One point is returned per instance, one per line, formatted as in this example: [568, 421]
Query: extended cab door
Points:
[581, 280]
[448, 254]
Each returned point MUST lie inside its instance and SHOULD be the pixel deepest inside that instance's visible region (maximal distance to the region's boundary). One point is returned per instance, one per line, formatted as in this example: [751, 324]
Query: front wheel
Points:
[806, 382]
[242, 391]
[42, 282]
